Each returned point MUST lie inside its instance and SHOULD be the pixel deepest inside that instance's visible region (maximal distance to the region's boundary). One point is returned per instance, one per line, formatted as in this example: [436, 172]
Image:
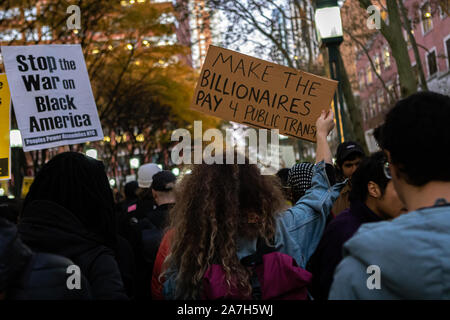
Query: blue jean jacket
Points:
[298, 229]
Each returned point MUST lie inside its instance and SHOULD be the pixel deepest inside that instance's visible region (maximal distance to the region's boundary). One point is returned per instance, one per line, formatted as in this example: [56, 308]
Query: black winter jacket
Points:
[25, 275]
[44, 228]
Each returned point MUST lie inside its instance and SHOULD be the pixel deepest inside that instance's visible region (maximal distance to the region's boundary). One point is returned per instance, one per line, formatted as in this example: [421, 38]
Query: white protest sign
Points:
[51, 95]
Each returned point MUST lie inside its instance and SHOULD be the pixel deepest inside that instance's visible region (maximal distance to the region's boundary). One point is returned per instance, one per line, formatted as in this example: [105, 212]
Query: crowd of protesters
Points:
[315, 231]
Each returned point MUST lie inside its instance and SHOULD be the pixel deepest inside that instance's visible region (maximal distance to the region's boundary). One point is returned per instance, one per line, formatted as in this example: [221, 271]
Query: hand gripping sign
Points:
[261, 94]
[52, 95]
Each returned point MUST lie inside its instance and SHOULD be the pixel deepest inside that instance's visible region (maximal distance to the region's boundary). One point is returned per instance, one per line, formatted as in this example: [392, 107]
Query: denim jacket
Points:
[298, 229]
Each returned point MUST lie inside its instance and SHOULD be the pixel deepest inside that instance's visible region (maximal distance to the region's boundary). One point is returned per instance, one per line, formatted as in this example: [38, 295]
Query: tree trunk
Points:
[355, 124]
[407, 23]
[394, 36]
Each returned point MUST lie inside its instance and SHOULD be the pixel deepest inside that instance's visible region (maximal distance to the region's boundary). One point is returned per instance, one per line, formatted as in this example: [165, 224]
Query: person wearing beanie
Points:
[146, 173]
[349, 155]
[146, 203]
[163, 192]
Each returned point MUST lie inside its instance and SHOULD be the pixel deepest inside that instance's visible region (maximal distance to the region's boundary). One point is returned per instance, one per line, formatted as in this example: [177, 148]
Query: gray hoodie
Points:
[411, 251]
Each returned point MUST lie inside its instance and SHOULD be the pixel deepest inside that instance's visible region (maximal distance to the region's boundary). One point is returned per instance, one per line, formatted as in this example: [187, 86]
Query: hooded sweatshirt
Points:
[48, 227]
[27, 275]
[410, 255]
[329, 251]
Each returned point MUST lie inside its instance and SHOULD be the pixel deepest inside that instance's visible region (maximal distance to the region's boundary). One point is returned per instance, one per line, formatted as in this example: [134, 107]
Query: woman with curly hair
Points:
[221, 211]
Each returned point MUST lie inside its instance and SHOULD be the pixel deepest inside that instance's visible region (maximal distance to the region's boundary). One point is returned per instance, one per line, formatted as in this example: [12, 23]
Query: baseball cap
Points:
[163, 181]
[146, 173]
[345, 149]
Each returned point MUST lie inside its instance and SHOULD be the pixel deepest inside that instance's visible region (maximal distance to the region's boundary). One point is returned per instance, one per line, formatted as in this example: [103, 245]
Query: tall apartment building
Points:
[294, 28]
[297, 36]
[431, 27]
[201, 31]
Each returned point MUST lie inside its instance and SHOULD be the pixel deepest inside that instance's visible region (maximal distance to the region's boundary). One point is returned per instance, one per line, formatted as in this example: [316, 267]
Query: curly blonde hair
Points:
[217, 204]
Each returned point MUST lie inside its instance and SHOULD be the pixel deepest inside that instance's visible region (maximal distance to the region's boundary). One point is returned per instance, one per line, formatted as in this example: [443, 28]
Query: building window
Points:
[10, 13]
[377, 64]
[397, 87]
[380, 100]
[30, 14]
[391, 93]
[372, 104]
[447, 46]
[362, 80]
[444, 7]
[46, 33]
[427, 17]
[369, 74]
[31, 35]
[10, 35]
[376, 104]
[432, 63]
[386, 57]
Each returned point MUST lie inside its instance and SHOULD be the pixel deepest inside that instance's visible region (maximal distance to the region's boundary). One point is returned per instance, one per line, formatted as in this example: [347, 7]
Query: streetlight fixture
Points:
[15, 138]
[135, 163]
[329, 30]
[15, 141]
[176, 171]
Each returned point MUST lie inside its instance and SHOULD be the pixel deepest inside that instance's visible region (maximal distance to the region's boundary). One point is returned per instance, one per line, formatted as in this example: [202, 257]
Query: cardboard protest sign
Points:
[5, 154]
[261, 94]
[52, 95]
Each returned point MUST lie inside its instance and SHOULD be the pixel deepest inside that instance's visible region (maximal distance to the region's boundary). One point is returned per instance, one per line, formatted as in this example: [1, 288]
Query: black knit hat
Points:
[163, 181]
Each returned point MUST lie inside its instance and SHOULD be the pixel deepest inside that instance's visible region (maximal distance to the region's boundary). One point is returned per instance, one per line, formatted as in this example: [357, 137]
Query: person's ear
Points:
[373, 190]
[154, 194]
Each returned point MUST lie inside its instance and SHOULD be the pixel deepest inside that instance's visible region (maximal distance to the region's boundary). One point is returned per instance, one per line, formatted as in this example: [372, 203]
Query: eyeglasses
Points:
[387, 170]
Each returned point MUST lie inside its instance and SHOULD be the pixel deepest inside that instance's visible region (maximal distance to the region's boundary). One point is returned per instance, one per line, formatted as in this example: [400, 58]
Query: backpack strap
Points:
[257, 258]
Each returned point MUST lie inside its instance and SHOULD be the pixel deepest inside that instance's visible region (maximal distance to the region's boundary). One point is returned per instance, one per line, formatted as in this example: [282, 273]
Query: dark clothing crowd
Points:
[359, 226]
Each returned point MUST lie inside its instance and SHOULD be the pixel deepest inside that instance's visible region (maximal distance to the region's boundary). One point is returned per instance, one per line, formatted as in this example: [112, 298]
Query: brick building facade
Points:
[431, 27]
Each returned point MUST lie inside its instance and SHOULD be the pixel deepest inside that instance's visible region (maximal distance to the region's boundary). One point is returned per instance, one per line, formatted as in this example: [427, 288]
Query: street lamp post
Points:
[329, 30]
[15, 139]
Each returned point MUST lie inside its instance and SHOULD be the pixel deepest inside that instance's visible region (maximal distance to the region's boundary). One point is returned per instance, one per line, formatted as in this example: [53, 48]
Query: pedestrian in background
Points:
[69, 211]
[409, 257]
[373, 198]
[222, 211]
[348, 156]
